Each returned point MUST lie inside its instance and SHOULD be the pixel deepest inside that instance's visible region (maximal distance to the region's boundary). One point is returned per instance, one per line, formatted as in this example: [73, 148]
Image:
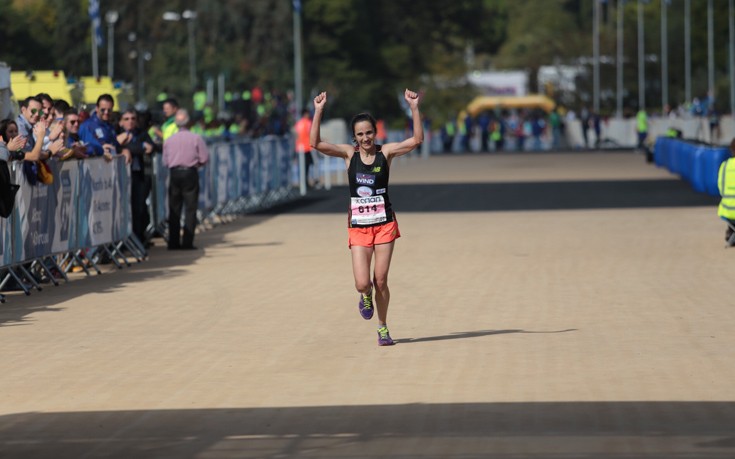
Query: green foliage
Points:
[539, 36]
[24, 41]
[364, 53]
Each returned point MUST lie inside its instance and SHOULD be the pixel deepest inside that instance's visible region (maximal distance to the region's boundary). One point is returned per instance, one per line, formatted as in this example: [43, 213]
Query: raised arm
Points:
[329, 149]
[37, 154]
[401, 148]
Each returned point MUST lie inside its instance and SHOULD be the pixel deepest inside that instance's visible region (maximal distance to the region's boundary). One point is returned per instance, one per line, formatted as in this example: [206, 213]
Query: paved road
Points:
[546, 306]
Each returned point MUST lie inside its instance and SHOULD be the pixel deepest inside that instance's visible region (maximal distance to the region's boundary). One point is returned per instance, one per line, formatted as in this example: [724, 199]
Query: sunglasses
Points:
[104, 110]
[73, 121]
[40, 112]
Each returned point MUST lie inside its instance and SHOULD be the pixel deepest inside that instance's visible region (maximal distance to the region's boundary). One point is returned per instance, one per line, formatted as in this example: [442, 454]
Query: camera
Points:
[17, 155]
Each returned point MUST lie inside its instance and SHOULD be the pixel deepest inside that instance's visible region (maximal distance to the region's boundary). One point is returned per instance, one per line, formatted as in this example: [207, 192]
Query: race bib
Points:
[368, 210]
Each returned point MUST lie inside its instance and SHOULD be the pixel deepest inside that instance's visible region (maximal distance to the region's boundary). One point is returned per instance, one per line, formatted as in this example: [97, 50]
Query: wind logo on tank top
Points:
[365, 179]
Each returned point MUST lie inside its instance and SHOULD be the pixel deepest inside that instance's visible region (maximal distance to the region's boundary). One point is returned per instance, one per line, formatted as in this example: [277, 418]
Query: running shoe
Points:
[384, 338]
[366, 306]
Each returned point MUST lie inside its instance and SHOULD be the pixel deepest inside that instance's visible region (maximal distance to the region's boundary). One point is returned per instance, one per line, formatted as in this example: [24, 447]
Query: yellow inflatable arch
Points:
[482, 103]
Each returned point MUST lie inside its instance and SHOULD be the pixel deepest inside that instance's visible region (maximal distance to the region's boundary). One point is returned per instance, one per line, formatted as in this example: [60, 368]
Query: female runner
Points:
[372, 225]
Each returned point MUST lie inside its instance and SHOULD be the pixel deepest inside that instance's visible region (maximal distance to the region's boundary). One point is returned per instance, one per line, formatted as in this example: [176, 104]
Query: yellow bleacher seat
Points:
[95, 87]
[51, 82]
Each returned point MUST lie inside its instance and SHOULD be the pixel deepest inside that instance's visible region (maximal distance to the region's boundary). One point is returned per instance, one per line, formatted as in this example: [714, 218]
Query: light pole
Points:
[621, 7]
[687, 51]
[298, 89]
[94, 14]
[111, 18]
[731, 26]
[596, 58]
[190, 16]
[641, 60]
[143, 57]
[664, 59]
[710, 52]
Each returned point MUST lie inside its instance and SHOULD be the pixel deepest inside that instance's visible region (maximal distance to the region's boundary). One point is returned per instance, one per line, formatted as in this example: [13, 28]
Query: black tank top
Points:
[369, 201]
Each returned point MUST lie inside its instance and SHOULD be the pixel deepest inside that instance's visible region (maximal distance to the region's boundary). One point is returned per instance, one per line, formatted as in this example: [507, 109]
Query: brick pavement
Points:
[544, 334]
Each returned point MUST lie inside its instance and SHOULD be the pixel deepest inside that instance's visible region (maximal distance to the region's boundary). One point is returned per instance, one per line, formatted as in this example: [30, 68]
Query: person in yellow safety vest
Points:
[496, 133]
[726, 185]
[228, 99]
[200, 100]
[162, 96]
[464, 133]
[169, 128]
[208, 114]
[642, 127]
[214, 129]
[234, 129]
[198, 128]
[448, 134]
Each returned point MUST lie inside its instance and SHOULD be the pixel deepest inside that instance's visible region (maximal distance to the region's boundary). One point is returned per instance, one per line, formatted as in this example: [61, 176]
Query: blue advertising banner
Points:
[160, 186]
[204, 190]
[88, 203]
[285, 162]
[233, 182]
[121, 206]
[65, 190]
[221, 166]
[34, 203]
[98, 195]
[265, 161]
[246, 157]
[5, 255]
[255, 169]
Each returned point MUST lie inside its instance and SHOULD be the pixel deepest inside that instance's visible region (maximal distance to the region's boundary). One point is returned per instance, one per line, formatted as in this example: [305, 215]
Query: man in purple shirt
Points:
[183, 153]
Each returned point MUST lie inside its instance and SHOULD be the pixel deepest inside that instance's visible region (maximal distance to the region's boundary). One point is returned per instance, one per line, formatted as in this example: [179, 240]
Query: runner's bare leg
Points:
[361, 258]
[383, 255]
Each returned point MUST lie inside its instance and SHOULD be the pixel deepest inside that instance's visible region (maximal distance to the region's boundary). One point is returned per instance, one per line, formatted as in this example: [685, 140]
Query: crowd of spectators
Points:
[52, 129]
[499, 130]
[249, 113]
[535, 129]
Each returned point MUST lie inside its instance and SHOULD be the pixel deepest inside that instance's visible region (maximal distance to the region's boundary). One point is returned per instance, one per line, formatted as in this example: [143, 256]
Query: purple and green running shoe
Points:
[384, 338]
[366, 306]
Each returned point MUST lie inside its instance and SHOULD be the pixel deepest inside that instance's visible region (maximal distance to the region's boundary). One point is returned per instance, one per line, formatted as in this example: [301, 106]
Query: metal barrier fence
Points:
[80, 218]
[242, 176]
[84, 216]
[696, 163]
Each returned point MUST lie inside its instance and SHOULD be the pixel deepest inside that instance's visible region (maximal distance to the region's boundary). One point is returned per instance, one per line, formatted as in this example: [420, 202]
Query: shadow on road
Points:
[549, 430]
[486, 197]
[472, 334]
[161, 264]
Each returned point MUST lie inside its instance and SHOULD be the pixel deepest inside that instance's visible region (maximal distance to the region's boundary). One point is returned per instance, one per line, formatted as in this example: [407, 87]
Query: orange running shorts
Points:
[368, 237]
